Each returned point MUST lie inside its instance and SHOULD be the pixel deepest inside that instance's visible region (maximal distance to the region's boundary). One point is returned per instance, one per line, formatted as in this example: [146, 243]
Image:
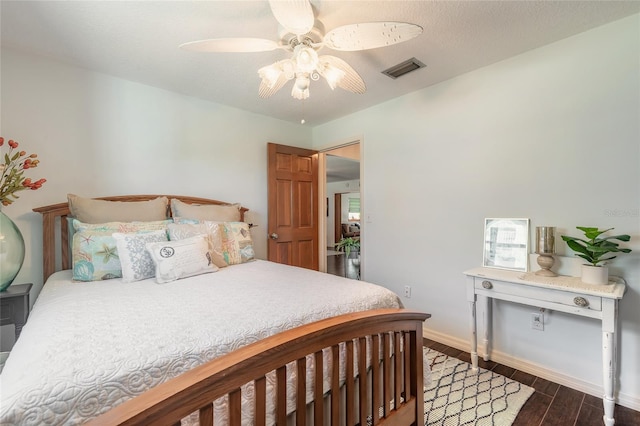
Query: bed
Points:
[240, 345]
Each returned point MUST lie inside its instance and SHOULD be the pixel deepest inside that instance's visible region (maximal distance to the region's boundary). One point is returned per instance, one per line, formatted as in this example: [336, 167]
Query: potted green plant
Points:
[593, 248]
[348, 244]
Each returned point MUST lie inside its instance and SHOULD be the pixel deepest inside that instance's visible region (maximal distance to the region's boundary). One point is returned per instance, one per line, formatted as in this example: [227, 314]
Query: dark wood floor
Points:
[337, 264]
[551, 404]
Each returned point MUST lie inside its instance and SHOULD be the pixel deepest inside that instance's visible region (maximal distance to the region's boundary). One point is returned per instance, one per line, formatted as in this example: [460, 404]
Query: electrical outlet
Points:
[537, 321]
[407, 291]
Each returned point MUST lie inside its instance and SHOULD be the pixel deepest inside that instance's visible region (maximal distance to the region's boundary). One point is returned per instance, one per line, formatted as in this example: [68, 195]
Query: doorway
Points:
[342, 194]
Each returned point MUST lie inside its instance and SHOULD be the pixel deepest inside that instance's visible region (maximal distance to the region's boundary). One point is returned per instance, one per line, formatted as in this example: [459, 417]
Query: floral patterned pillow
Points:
[94, 254]
[181, 231]
[238, 243]
[136, 261]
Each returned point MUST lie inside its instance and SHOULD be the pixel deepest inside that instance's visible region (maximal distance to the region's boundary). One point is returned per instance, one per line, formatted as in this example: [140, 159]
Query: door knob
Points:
[273, 236]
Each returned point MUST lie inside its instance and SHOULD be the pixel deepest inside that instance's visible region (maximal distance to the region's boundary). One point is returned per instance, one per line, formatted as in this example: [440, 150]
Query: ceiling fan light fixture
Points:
[270, 74]
[300, 89]
[333, 75]
[306, 58]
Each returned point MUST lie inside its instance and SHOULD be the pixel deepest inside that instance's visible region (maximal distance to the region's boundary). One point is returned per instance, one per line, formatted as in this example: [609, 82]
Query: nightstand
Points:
[14, 306]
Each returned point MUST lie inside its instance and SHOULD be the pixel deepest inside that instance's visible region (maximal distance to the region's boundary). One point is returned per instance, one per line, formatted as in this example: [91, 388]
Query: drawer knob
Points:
[487, 284]
[581, 301]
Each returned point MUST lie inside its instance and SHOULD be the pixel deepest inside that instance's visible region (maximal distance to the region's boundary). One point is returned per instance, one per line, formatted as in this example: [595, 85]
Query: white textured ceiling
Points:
[138, 40]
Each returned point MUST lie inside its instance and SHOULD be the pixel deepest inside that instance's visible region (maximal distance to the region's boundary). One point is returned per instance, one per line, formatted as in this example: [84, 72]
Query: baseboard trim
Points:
[623, 399]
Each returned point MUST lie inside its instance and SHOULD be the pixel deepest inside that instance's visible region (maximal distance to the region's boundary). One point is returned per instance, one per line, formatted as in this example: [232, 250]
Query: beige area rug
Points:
[457, 395]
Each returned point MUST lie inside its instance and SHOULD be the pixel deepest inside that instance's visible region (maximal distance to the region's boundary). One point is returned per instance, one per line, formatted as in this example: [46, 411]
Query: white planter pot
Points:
[595, 274]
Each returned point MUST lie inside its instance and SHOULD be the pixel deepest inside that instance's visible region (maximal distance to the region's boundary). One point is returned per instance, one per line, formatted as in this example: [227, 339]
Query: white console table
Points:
[564, 294]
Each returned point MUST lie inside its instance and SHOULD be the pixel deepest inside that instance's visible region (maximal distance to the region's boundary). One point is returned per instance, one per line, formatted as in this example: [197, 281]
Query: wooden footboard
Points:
[392, 394]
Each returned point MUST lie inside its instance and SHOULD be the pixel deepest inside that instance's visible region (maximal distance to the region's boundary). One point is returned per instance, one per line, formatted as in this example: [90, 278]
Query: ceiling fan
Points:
[304, 39]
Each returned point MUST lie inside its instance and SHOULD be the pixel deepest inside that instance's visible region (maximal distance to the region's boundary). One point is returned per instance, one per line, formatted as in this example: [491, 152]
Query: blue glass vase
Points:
[11, 251]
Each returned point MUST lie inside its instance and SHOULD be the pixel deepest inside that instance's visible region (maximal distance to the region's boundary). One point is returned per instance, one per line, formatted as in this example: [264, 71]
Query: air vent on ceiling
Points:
[403, 68]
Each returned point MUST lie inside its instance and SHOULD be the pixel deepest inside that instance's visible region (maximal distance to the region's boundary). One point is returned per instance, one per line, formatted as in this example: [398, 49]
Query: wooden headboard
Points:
[54, 218]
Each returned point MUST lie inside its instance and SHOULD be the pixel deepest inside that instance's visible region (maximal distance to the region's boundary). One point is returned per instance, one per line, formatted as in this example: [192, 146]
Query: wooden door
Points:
[293, 206]
[337, 217]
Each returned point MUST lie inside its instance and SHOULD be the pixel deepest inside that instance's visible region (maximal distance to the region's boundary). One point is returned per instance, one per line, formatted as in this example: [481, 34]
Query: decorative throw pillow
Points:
[90, 210]
[106, 228]
[182, 258]
[95, 256]
[180, 231]
[122, 227]
[218, 213]
[237, 243]
[135, 259]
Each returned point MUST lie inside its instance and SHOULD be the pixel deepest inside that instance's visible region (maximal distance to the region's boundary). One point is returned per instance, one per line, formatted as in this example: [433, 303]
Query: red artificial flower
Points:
[12, 168]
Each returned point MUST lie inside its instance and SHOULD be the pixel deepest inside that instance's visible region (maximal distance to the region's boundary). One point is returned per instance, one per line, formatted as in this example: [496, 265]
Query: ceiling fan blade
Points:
[231, 45]
[296, 16]
[351, 80]
[370, 35]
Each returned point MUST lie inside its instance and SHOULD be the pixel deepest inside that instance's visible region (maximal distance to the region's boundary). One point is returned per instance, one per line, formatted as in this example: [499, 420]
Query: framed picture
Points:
[506, 244]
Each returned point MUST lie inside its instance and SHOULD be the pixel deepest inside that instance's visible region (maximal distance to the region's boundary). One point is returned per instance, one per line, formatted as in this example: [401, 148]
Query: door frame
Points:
[322, 198]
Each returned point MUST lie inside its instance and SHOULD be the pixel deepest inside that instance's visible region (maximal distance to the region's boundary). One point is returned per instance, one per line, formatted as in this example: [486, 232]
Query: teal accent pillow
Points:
[94, 251]
[95, 256]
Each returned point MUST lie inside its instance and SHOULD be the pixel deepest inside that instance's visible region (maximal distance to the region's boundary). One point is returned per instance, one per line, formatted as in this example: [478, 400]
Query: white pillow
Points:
[182, 258]
[136, 261]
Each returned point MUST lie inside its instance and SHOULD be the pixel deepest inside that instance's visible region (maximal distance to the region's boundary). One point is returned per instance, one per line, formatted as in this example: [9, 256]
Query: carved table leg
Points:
[487, 327]
[474, 336]
[608, 369]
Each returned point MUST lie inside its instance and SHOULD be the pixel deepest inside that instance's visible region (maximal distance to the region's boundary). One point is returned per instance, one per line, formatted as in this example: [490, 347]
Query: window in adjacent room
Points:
[354, 209]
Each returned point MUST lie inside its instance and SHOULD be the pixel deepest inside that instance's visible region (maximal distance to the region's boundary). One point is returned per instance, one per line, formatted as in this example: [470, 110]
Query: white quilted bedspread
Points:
[90, 346]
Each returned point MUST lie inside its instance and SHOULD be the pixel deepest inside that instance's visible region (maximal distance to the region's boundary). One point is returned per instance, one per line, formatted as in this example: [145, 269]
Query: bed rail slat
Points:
[376, 382]
[363, 385]
[281, 395]
[235, 407]
[206, 415]
[407, 370]
[386, 366]
[349, 380]
[195, 390]
[260, 403]
[301, 392]
[335, 385]
[397, 374]
[318, 403]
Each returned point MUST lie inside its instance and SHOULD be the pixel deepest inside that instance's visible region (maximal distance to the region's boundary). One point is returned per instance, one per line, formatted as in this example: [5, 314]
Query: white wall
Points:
[552, 135]
[98, 135]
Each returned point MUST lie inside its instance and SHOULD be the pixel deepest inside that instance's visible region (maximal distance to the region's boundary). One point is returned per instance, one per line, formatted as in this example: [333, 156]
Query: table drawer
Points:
[6, 313]
[567, 298]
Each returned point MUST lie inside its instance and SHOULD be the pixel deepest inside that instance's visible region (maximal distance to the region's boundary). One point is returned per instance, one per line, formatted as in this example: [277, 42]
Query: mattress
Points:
[90, 346]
